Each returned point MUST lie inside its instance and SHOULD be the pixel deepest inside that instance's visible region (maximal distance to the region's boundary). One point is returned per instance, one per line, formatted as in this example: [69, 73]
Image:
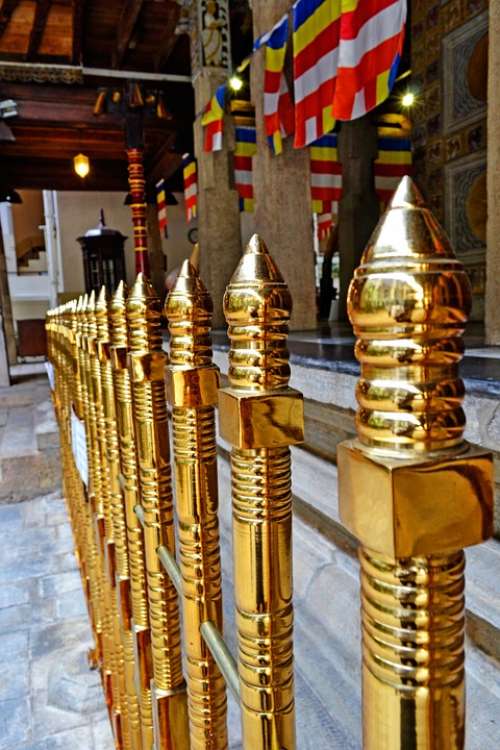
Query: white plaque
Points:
[79, 447]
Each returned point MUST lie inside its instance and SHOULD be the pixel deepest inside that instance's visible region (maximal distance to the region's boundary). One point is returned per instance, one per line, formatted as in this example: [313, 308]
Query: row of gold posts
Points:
[411, 490]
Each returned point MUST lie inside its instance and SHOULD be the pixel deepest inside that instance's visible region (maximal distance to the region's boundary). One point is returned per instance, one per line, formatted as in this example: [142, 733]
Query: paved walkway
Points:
[49, 699]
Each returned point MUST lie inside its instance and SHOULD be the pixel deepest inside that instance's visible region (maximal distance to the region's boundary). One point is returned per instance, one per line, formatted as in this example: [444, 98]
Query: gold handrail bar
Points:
[213, 639]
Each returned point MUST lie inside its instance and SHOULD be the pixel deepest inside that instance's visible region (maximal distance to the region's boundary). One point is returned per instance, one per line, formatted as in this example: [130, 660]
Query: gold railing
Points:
[411, 491]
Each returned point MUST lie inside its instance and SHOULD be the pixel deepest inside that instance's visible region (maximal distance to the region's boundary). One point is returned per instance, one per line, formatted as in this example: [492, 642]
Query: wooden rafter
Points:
[169, 39]
[128, 20]
[6, 11]
[78, 15]
[41, 13]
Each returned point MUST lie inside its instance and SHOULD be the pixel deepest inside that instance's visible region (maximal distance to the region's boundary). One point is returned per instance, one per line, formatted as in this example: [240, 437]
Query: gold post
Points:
[147, 370]
[121, 582]
[411, 489]
[128, 463]
[192, 386]
[260, 416]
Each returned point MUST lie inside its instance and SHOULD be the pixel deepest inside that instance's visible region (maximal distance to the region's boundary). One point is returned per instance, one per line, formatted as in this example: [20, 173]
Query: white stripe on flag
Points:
[326, 180]
[324, 70]
[243, 177]
[217, 142]
[376, 30]
[191, 191]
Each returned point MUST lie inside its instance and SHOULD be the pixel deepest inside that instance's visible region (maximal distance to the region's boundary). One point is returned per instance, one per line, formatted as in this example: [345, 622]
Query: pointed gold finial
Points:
[102, 315]
[188, 309]
[409, 316]
[257, 306]
[118, 316]
[143, 315]
[194, 258]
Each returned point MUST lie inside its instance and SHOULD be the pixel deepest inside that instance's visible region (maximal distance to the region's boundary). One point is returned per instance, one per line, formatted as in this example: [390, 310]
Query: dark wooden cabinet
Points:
[103, 257]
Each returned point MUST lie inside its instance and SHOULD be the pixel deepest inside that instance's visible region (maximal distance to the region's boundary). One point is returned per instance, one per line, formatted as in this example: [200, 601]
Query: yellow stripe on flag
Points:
[327, 13]
[323, 153]
[382, 86]
[190, 169]
[275, 59]
[243, 148]
[393, 157]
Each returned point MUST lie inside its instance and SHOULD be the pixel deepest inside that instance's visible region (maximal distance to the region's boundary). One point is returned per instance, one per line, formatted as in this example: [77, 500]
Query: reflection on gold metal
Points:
[411, 490]
[119, 573]
[141, 644]
[261, 417]
[146, 367]
[192, 388]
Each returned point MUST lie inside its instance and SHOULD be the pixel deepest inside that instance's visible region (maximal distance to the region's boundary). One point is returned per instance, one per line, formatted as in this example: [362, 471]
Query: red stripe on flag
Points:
[325, 167]
[325, 42]
[355, 19]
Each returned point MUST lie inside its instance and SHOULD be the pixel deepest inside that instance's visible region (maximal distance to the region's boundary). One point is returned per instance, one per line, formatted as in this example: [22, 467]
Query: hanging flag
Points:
[316, 33]
[393, 162]
[325, 223]
[213, 120]
[278, 107]
[245, 149]
[161, 203]
[371, 43]
[326, 174]
[190, 186]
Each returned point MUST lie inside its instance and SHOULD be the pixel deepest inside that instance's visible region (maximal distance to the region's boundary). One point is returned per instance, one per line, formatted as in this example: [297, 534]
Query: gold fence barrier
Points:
[411, 490]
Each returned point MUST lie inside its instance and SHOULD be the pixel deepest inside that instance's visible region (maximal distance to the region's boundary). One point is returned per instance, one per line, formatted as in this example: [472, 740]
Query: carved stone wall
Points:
[449, 63]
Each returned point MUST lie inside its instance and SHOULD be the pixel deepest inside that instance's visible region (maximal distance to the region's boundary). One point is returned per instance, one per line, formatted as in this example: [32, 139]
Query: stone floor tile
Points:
[14, 684]
[13, 645]
[61, 583]
[71, 605]
[33, 513]
[14, 723]
[48, 720]
[11, 518]
[15, 618]
[103, 737]
[14, 594]
[79, 738]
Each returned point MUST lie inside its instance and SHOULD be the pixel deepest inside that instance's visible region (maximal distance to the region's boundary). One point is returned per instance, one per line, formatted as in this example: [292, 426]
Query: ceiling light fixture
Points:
[235, 83]
[81, 165]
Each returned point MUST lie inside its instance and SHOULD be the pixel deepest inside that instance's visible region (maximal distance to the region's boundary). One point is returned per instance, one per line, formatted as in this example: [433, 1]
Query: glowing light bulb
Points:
[81, 165]
[408, 99]
[235, 83]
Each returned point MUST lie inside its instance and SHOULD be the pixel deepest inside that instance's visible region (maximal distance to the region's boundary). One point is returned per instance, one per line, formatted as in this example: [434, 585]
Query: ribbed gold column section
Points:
[192, 386]
[260, 416]
[411, 490]
[113, 648]
[128, 460]
[94, 570]
[121, 582]
[147, 370]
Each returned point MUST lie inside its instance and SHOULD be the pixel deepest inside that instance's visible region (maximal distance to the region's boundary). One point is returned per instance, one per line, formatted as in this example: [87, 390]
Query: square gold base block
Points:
[170, 719]
[418, 506]
[268, 420]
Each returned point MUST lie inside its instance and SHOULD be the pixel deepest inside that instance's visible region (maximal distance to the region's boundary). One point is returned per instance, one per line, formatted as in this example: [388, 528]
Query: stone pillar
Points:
[359, 207]
[219, 232]
[283, 214]
[6, 310]
[492, 309]
[157, 258]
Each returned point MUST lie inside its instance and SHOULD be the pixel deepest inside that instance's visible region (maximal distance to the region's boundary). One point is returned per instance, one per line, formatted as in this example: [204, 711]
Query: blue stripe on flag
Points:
[303, 9]
[326, 141]
[394, 144]
[264, 38]
[279, 35]
[246, 135]
[394, 71]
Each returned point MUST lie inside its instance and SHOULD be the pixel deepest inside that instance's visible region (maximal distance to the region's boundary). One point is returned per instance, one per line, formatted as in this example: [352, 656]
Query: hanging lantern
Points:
[81, 165]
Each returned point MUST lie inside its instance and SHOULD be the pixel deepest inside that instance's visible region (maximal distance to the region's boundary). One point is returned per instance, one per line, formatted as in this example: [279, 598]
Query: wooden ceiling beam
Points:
[8, 8]
[169, 38]
[40, 20]
[126, 26]
[78, 16]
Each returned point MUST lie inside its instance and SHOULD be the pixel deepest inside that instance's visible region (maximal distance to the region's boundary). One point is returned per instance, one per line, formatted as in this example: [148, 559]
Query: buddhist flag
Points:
[245, 149]
[393, 162]
[278, 107]
[326, 174]
[190, 186]
[161, 203]
[371, 43]
[213, 120]
[316, 34]
[324, 225]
